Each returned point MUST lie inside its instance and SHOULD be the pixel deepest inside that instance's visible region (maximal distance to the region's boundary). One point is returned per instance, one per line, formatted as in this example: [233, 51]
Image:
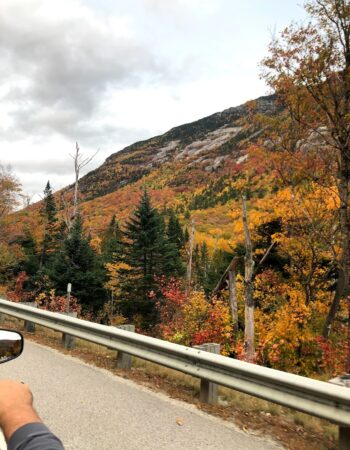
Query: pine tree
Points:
[196, 264]
[204, 266]
[174, 231]
[171, 262]
[48, 214]
[201, 264]
[30, 262]
[78, 264]
[146, 252]
[186, 235]
[112, 246]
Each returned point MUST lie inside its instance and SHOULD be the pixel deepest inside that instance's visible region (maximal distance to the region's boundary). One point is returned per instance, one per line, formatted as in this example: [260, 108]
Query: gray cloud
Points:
[59, 69]
[44, 168]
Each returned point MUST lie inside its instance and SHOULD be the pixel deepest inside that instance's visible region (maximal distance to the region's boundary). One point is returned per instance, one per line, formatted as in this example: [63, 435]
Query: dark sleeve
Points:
[34, 436]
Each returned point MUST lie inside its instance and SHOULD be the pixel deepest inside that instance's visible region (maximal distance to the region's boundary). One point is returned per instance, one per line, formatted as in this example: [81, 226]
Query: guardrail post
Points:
[123, 360]
[344, 438]
[208, 391]
[29, 326]
[68, 340]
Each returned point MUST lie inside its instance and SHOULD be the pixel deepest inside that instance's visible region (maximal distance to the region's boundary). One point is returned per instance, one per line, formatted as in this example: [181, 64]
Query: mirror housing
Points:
[11, 345]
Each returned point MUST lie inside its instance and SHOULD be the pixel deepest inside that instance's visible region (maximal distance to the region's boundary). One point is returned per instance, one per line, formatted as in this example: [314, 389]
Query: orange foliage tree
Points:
[19, 294]
[309, 68]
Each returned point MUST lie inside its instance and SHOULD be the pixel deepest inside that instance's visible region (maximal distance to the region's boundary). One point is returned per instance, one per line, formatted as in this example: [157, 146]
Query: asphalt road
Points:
[91, 409]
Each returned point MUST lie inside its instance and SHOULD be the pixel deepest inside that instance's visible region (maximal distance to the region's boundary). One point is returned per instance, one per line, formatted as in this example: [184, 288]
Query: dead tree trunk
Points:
[76, 184]
[79, 163]
[249, 275]
[232, 298]
[249, 346]
[228, 279]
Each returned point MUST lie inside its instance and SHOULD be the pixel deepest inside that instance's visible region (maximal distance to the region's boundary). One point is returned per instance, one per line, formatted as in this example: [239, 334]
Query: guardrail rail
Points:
[317, 398]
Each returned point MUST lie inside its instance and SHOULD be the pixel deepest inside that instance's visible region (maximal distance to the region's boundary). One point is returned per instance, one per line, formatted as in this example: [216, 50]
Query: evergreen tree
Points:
[48, 214]
[204, 265]
[174, 231]
[186, 235]
[201, 264]
[78, 264]
[146, 251]
[112, 246]
[30, 262]
[196, 264]
[171, 262]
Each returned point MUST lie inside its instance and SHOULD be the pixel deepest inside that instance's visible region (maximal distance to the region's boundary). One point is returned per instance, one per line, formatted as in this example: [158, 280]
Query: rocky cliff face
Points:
[204, 145]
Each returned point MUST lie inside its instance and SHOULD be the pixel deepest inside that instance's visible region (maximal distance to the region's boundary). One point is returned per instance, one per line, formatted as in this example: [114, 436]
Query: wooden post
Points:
[344, 438]
[68, 340]
[29, 326]
[208, 391]
[123, 360]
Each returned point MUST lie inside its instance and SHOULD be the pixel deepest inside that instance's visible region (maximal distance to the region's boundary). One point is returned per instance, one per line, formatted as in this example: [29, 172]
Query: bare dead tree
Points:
[26, 199]
[229, 279]
[79, 163]
[66, 211]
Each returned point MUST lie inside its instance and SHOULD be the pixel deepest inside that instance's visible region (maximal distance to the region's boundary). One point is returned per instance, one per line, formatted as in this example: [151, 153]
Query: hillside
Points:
[205, 145]
[192, 167]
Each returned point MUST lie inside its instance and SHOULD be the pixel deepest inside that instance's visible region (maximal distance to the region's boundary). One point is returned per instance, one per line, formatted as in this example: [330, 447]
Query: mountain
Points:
[205, 145]
[194, 168]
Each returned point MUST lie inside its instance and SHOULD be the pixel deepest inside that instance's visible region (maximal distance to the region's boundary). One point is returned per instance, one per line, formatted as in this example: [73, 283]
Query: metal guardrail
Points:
[313, 397]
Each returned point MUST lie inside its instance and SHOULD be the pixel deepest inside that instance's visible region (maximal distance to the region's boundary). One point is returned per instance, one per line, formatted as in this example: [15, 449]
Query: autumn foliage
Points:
[193, 320]
[57, 303]
[18, 294]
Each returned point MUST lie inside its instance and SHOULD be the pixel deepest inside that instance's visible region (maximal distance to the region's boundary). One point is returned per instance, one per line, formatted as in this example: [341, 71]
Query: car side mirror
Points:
[11, 345]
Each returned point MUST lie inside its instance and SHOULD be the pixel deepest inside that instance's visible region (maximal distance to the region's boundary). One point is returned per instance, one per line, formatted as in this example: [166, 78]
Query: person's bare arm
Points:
[16, 407]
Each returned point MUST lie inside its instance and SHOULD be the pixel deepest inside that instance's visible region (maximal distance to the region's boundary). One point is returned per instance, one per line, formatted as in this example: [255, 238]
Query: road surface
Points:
[90, 408]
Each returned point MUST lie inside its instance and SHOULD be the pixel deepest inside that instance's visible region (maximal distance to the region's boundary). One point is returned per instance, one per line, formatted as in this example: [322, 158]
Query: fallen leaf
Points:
[179, 421]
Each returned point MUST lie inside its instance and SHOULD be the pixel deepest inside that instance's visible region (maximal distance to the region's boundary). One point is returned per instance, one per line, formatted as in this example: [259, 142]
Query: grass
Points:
[296, 430]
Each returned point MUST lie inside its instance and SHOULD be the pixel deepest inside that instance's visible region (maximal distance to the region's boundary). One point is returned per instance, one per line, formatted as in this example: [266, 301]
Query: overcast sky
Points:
[107, 73]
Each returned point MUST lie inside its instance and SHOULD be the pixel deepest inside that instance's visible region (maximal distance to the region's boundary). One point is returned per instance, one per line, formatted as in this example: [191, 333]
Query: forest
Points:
[254, 256]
